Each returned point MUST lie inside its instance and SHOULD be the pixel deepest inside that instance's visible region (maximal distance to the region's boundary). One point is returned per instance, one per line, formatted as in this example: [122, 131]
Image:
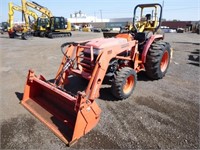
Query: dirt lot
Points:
[161, 114]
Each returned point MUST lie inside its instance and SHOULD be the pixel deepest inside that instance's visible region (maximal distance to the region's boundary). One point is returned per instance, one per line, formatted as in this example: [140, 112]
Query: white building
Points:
[79, 17]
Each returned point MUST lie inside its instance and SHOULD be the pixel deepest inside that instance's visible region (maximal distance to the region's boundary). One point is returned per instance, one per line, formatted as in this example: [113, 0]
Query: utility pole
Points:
[94, 16]
[101, 14]
[163, 3]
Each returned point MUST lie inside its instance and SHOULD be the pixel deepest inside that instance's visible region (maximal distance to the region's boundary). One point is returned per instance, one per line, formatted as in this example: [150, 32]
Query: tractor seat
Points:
[142, 36]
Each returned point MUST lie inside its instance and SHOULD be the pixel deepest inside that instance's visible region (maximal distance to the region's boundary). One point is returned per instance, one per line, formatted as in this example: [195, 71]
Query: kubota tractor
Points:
[118, 59]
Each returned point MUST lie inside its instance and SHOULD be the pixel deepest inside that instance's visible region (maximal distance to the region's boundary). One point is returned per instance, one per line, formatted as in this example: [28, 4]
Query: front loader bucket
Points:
[67, 116]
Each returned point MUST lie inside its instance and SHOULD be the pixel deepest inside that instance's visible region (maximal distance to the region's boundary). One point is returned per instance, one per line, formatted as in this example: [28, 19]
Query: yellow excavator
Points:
[49, 26]
[18, 30]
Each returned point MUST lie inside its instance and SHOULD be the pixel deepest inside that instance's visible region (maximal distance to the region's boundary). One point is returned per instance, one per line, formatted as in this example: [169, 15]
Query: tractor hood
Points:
[100, 43]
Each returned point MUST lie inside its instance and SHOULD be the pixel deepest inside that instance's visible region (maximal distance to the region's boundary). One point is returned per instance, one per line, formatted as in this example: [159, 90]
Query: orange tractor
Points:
[118, 59]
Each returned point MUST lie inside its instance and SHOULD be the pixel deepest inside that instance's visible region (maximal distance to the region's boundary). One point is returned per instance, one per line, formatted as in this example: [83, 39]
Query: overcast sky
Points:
[173, 9]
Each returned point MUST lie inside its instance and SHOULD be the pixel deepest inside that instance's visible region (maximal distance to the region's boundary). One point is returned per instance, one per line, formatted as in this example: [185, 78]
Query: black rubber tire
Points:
[50, 35]
[36, 33]
[69, 34]
[119, 82]
[27, 35]
[24, 36]
[198, 31]
[154, 58]
[42, 34]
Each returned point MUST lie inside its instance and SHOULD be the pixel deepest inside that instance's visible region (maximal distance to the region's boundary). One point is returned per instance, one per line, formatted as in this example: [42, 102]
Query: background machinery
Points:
[4, 27]
[149, 21]
[146, 18]
[49, 25]
[71, 114]
[19, 30]
[196, 27]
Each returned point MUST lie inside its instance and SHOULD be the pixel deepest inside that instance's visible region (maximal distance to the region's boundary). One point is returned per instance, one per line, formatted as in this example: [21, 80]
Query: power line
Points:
[185, 8]
[125, 11]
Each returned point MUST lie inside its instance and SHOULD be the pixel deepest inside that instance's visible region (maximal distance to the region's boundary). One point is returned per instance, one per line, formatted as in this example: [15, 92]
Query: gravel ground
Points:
[161, 114]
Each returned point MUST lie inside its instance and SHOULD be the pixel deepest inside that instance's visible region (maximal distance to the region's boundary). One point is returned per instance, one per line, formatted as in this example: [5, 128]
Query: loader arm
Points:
[101, 64]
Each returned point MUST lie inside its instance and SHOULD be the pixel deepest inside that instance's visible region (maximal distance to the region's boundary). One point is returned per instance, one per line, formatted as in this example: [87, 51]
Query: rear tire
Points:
[158, 59]
[124, 83]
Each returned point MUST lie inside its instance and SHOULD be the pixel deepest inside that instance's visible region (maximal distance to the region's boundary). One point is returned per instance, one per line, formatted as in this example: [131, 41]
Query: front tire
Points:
[124, 83]
[158, 59]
